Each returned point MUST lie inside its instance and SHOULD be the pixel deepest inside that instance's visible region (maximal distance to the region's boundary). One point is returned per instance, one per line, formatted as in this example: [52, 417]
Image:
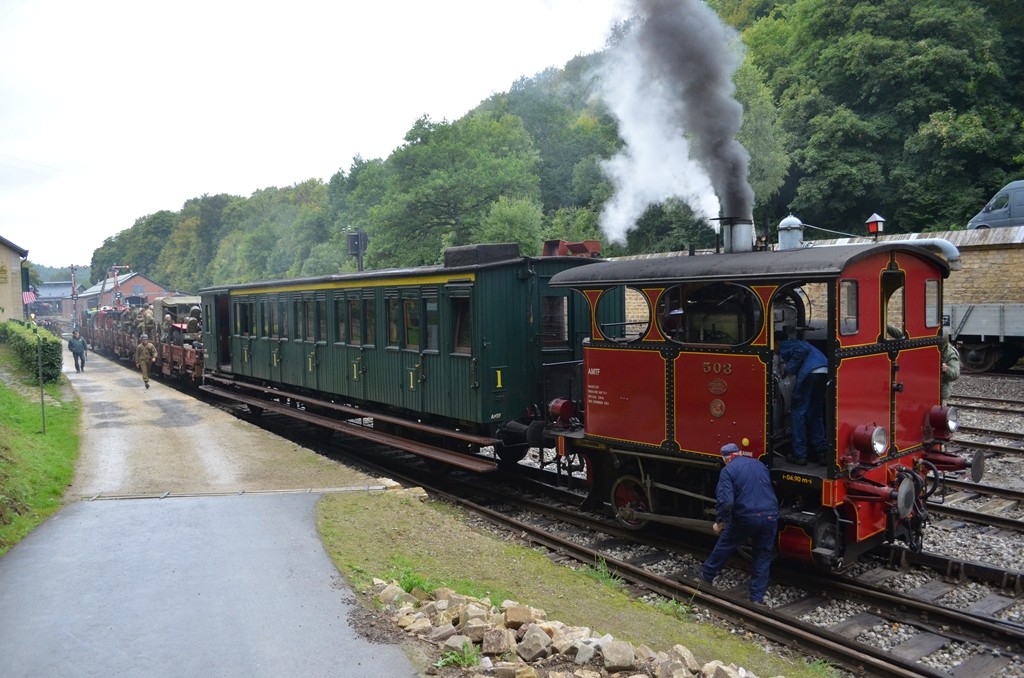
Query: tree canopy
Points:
[913, 110]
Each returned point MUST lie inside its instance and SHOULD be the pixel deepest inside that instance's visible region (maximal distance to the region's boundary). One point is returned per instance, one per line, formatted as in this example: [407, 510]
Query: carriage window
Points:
[270, 319]
[339, 319]
[277, 319]
[932, 310]
[710, 313]
[309, 308]
[893, 283]
[433, 325]
[555, 322]
[244, 320]
[623, 314]
[321, 320]
[849, 311]
[462, 329]
[411, 323]
[296, 320]
[355, 322]
[370, 314]
[391, 308]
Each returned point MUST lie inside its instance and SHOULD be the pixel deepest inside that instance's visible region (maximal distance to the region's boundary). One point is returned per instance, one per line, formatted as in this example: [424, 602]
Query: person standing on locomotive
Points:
[747, 508]
[145, 356]
[77, 347]
[950, 367]
[807, 412]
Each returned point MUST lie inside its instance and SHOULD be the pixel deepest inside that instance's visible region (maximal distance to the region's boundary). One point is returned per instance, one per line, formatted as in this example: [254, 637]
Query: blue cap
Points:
[729, 448]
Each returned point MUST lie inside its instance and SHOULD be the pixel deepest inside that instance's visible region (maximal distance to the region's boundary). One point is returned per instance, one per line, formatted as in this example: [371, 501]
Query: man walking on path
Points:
[77, 347]
[145, 356]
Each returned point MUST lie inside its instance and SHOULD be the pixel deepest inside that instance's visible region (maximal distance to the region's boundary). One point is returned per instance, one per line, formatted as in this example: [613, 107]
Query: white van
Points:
[1005, 209]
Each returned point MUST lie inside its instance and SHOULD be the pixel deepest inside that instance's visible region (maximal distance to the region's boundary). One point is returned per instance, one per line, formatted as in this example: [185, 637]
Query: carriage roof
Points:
[808, 263]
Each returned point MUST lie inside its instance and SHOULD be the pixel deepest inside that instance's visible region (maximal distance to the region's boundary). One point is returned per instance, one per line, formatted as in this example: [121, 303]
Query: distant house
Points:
[128, 289]
[53, 299]
[14, 291]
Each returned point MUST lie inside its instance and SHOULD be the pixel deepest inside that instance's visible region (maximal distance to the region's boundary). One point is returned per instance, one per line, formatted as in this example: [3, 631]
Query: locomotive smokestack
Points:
[737, 234]
[670, 85]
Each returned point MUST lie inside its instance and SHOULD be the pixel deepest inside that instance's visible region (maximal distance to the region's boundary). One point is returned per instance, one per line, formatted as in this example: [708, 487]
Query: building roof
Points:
[10, 245]
[53, 290]
[107, 284]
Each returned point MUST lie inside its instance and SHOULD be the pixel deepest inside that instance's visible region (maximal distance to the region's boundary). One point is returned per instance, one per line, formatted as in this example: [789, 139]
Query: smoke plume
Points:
[669, 83]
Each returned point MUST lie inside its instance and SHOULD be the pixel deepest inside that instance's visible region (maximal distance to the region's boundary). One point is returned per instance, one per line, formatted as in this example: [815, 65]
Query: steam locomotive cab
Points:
[694, 365]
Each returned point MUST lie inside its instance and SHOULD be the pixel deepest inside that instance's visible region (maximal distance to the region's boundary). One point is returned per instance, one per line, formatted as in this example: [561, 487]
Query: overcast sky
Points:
[111, 110]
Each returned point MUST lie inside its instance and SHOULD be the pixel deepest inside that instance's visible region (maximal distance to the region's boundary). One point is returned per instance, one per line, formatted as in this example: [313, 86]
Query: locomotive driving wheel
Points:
[629, 492]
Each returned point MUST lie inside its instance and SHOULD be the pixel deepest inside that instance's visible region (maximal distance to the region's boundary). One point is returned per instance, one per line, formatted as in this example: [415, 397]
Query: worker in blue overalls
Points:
[746, 509]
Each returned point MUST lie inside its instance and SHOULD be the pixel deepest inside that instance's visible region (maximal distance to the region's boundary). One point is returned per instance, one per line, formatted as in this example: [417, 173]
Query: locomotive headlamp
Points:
[942, 421]
[871, 441]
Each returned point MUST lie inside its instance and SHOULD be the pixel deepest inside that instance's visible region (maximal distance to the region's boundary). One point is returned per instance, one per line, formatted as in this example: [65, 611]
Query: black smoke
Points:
[669, 82]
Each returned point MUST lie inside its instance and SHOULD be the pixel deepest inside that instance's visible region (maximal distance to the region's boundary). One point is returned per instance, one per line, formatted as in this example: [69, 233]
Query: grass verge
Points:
[35, 468]
[391, 536]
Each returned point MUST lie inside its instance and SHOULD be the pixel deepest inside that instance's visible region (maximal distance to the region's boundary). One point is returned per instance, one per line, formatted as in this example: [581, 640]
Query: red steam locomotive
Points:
[692, 365]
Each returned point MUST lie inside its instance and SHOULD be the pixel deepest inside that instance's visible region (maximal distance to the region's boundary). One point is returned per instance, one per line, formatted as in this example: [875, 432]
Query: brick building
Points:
[133, 288]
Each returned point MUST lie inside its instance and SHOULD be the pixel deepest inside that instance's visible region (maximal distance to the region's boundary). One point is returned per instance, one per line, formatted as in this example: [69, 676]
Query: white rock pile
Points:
[518, 641]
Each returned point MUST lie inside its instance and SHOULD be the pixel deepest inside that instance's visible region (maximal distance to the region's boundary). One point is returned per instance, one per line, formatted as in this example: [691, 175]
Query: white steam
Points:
[669, 84]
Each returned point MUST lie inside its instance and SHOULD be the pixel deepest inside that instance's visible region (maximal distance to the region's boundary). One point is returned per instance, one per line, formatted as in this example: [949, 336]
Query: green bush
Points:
[25, 344]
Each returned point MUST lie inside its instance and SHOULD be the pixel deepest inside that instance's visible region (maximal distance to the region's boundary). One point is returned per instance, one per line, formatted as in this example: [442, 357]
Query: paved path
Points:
[233, 585]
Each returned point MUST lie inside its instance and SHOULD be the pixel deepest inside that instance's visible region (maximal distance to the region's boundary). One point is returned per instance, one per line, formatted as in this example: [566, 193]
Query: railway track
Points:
[988, 404]
[989, 505]
[655, 565]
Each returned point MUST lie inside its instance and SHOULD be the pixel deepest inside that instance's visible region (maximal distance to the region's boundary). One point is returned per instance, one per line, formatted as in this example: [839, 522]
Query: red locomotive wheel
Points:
[630, 492]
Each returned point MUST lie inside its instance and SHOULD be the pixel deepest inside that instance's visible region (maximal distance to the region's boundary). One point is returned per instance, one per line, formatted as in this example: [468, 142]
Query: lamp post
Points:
[39, 361]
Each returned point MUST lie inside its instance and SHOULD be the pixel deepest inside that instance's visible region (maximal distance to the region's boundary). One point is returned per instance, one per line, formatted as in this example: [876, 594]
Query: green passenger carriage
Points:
[473, 346]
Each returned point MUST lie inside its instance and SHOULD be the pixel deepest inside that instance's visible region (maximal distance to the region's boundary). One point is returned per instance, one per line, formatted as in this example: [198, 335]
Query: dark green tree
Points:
[443, 181]
[885, 101]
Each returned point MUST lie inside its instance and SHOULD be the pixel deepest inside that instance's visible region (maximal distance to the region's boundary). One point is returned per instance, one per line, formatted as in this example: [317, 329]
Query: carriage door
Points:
[355, 363]
[275, 314]
[404, 321]
[313, 332]
[463, 367]
[433, 382]
[243, 334]
[290, 349]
